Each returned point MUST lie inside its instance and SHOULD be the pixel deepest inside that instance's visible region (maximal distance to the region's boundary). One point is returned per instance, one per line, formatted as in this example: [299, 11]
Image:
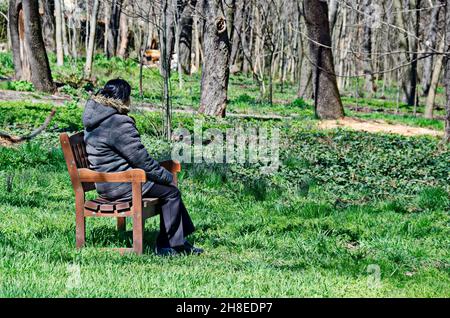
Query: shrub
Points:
[22, 86]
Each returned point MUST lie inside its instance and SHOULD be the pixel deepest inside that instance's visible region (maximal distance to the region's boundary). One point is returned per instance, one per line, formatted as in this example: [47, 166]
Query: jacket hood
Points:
[94, 113]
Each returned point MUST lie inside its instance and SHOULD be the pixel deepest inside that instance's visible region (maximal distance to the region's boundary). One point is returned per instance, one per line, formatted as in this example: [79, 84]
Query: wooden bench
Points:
[83, 180]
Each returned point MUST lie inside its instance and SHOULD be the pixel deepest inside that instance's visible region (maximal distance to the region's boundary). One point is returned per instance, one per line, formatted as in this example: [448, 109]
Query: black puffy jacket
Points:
[113, 144]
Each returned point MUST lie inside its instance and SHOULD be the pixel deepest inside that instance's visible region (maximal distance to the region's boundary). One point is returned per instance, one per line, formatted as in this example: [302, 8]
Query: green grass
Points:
[387, 105]
[341, 204]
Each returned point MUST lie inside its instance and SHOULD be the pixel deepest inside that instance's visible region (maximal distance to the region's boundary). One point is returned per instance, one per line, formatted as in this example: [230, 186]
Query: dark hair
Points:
[117, 89]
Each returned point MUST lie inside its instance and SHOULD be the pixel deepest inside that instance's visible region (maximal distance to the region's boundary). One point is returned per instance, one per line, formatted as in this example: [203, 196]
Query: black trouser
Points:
[175, 223]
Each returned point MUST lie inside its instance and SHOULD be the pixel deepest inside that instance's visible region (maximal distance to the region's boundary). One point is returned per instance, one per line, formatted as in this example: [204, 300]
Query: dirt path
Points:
[32, 97]
[375, 126]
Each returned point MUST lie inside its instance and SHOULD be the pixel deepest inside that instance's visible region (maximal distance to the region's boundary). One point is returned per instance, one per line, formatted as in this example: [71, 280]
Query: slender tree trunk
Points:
[114, 24]
[123, 33]
[447, 72]
[107, 17]
[327, 100]
[59, 40]
[196, 40]
[405, 46]
[215, 71]
[86, 37]
[185, 35]
[165, 68]
[17, 37]
[434, 82]
[238, 25]
[48, 24]
[230, 11]
[283, 58]
[74, 26]
[431, 40]
[367, 48]
[91, 45]
[415, 47]
[332, 14]
[64, 30]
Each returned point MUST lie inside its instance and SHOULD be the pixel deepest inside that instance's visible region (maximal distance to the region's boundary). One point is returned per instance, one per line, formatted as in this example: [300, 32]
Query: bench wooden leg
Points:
[138, 220]
[122, 224]
[80, 232]
[80, 224]
[138, 232]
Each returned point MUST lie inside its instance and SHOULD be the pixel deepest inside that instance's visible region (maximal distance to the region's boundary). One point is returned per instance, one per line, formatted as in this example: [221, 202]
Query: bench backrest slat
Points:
[75, 154]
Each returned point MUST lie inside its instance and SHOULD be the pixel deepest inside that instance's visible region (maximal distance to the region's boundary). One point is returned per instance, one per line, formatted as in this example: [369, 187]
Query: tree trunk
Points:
[64, 30]
[74, 25]
[91, 45]
[185, 35]
[215, 71]
[114, 25]
[434, 82]
[404, 46]
[59, 40]
[332, 14]
[447, 72]
[29, 55]
[170, 9]
[196, 43]
[17, 38]
[367, 48]
[409, 43]
[107, 17]
[431, 40]
[165, 67]
[415, 47]
[123, 34]
[48, 24]
[327, 100]
[238, 25]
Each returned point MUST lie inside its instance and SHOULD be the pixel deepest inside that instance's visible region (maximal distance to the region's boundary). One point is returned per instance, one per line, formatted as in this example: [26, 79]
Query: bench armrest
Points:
[173, 167]
[133, 175]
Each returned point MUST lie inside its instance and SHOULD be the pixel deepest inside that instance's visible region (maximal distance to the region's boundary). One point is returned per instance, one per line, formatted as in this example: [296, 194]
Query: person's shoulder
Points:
[122, 119]
[120, 124]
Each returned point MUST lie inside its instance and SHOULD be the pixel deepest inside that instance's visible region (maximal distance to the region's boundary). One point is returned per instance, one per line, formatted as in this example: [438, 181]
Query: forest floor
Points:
[367, 125]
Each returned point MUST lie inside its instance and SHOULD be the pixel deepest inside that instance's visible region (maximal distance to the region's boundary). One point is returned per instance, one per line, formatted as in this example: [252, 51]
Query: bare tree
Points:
[91, 46]
[367, 47]
[113, 27]
[431, 40]
[185, 35]
[59, 36]
[215, 71]
[437, 70]
[29, 55]
[48, 23]
[327, 101]
[123, 32]
[447, 71]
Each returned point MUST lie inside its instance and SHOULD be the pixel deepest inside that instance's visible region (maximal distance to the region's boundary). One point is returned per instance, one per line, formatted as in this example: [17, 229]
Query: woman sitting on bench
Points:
[113, 144]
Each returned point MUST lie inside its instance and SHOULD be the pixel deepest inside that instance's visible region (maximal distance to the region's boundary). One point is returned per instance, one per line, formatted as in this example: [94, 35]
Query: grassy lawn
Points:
[341, 206]
[343, 209]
